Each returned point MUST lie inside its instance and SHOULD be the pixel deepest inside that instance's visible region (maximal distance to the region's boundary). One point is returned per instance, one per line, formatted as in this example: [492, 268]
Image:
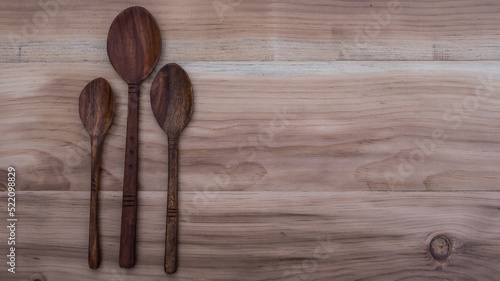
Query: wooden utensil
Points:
[134, 47]
[96, 112]
[172, 103]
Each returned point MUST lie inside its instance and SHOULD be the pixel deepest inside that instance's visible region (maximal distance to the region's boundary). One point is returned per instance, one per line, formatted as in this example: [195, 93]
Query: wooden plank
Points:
[236, 30]
[269, 126]
[267, 236]
[287, 165]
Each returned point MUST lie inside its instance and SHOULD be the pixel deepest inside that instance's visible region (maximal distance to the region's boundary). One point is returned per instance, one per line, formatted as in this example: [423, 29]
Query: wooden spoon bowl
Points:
[134, 44]
[172, 99]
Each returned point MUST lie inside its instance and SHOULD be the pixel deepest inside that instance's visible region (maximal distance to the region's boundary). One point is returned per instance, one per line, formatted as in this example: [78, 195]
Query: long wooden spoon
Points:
[172, 103]
[134, 47]
[96, 111]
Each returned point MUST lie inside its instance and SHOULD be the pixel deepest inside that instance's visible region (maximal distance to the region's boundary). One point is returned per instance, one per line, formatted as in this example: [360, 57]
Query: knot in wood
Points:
[440, 247]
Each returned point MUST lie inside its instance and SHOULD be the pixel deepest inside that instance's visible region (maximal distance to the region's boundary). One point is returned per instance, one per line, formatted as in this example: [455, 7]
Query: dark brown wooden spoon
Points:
[96, 111]
[134, 47]
[172, 103]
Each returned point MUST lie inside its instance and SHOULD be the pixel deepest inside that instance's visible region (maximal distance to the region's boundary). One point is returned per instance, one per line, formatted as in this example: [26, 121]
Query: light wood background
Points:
[331, 140]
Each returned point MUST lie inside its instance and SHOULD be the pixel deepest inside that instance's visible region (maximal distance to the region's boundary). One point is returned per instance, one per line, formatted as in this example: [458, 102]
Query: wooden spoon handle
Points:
[172, 212]
[94, 259]
[129, 204]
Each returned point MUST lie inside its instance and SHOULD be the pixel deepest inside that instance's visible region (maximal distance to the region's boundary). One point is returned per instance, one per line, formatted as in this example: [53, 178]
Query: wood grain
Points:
[269, 236]
[243, 30]
[271, 126]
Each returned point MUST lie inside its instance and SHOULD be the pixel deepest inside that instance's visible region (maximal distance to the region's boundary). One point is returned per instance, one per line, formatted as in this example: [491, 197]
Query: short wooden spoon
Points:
[134, 47]
[96, 111]
[172, 103]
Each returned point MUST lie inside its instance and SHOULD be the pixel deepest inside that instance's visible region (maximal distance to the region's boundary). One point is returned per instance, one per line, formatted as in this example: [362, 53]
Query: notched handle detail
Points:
[129, 201]
[172, 213]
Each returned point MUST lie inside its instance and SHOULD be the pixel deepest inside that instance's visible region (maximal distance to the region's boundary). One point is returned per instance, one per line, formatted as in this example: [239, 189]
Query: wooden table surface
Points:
[331, 140]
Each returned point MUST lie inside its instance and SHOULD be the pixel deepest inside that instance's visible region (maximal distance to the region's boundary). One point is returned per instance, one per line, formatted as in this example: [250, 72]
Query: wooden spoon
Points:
[96, 112]
[134, 47]
[172, 103]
